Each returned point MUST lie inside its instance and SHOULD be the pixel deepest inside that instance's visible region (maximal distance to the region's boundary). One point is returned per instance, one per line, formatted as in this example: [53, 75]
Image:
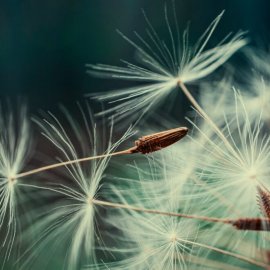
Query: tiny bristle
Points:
[157, 141]
[252, 224]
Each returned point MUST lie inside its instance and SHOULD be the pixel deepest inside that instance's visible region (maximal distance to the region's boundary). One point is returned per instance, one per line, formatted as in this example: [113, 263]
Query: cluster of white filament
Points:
[216, 172]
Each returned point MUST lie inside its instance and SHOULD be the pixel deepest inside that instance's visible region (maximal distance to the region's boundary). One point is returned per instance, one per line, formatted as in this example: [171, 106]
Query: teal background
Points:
[44, 45]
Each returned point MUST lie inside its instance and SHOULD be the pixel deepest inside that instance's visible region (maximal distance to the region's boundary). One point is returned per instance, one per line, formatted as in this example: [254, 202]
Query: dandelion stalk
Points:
[203, 218]
[158, 212]
[258, 224]
[69, 162]
[144, 145]
[264, 201]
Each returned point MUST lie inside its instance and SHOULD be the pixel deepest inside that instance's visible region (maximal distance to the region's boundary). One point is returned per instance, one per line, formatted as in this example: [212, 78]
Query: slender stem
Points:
[69, 162]
[204, 218]
[171, 214]
[208, 119]
[158, 212]
[225, 252]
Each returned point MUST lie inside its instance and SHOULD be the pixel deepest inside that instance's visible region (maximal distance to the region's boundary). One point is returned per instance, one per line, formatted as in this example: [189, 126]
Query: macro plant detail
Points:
[14, 148]
[167, 196]
[163, 68]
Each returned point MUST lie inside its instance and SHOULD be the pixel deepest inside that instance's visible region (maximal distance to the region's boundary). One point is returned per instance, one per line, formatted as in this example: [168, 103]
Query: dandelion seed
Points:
[255, 93]
[70, 225]
[155, 241]
[243, 167]
[150, 241]
[145, 145]
[255, 96]
[264, 201]
[255, 224]
[14, 150]
[164, 66]
[157, 141]
[235, 165]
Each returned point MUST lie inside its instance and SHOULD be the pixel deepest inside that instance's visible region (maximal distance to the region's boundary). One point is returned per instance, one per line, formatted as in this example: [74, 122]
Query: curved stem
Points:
[158, 212]
[146, 144]
[238, 223]
[69, 162]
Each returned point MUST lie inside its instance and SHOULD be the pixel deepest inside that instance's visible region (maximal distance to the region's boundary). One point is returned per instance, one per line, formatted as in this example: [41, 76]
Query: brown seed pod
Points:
[264, 201]
[157, 141]
[252, 224]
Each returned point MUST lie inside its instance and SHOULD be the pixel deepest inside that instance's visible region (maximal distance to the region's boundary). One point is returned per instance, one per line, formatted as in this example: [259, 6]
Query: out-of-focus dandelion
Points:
[235, 166]
[152, 241]
[264, 201]
[163, 66]
[144, 145]
[14, 148]
[155, 242]
[217, 98]
[242, 167]
[257, 93]
[257, 99]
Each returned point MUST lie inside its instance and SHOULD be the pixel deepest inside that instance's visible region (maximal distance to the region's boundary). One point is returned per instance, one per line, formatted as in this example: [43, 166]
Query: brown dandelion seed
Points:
[252, 224]
[264, 201]
[157, 141]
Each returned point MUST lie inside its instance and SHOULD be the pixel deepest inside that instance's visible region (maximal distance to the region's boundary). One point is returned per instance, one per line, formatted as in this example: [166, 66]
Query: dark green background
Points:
[44, 45]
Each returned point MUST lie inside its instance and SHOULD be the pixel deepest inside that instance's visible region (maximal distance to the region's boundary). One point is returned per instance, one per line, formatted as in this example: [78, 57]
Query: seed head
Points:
[264, 201]
[157, 141]
[161, 65]
[253, 224]
[74, 220]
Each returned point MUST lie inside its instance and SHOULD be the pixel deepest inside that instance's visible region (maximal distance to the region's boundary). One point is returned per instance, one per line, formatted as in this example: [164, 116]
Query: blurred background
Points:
[45, 45]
